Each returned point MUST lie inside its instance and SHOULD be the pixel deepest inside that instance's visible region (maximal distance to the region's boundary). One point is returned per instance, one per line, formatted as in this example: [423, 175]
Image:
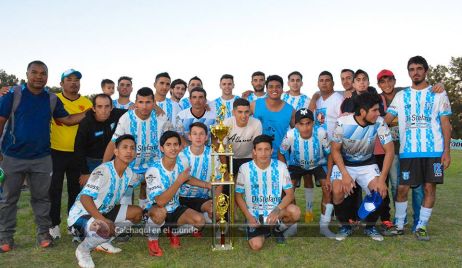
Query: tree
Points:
[451, 77]
[8, 80]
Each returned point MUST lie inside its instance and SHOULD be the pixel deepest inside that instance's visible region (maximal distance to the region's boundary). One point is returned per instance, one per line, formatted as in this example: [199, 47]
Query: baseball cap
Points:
[303, 113]
[371, 203]
[70, 72]
[383, 73]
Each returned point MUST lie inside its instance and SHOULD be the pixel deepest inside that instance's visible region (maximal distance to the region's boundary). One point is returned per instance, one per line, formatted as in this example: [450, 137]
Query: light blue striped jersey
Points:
[217, 103]
[185, 119]
[201, 168]
[147, 134]
[419, 113]
[306, 153]
[170, 108]
[116, 104]
[357, 141]
[262, 189]
[253, 97]
[106, 189]
[297, 102]
[159, 179]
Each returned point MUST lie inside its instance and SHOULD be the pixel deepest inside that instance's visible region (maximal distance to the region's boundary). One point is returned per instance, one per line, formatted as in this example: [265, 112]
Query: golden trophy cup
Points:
[223, 205]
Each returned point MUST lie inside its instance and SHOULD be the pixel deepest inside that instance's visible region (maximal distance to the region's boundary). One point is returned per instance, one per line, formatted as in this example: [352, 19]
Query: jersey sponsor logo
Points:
[405, 175]
[98, 133]
[437, 169]
[418, 121]
[265, 199]
[235, 138]
[92, 186]
[147, 147]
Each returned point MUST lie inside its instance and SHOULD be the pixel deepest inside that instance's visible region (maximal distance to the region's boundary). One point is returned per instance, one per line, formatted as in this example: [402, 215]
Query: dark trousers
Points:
[384, 211]
[64, 163]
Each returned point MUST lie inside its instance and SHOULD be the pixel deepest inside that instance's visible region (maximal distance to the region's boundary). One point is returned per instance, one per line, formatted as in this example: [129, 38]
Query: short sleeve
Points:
[444, 105]
[95, 183]
[59, 111]
[240, 181]
[286, 181]
[394, 106]
[338, 132]
[120, 129]
[6, 104]
[384, 134]
[154, 185]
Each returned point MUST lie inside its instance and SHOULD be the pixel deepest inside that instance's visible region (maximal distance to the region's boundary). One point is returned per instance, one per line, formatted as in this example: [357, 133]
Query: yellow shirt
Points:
[62, 136]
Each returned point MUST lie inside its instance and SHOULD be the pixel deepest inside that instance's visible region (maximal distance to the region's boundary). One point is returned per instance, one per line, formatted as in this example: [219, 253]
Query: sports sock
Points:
[342, 211]
[309, 195]
[400, 214]
[207, 218]
[153, 229]
[329, 209]
[424, 216]
[291, 230]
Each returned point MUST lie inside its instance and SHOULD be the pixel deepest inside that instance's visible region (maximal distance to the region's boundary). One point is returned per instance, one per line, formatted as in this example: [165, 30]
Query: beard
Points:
[259, 89]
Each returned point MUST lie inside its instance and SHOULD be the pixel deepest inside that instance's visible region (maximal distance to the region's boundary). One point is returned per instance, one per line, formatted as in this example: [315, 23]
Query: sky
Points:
[109, 39]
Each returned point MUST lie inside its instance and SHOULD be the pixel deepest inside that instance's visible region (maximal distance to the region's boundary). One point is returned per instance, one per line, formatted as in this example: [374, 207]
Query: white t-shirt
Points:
[262, 189]
[147, 134]
[297, 102]
[329, 110]
[242, 138]
[106, 188]
[419, 113]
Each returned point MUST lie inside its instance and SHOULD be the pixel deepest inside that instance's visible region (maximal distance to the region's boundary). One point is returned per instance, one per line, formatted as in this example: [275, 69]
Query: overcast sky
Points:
[108, 39]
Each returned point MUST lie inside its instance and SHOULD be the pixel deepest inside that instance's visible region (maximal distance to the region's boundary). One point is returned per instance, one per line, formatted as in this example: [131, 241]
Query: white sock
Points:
[207, 218]
[153, 229]
[291, 230]
[309, 199]
[329, 209]
[400, 214]
[325, 220]
[424, 216]
[281, 227]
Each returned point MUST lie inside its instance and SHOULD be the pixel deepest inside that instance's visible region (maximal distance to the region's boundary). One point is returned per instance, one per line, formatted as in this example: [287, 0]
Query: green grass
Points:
[445, 248]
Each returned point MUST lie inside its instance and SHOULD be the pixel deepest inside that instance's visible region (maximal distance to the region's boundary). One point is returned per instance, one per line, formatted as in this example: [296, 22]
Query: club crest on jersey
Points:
[437, 169]
[405, 175]
[428, 106]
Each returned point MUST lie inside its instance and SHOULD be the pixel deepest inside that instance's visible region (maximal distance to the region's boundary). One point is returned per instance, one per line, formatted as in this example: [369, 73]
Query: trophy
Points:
[223, 205]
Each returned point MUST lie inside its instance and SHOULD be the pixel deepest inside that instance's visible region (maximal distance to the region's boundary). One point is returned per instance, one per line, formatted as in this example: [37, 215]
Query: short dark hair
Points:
[263, 138]
[106, 81]
[295, 73]
[274, 77]
[164, 74]
[258, 73]
[326, 73]
[167, 135]
[178, 82]
[418, 60]
[347, 70]
[358, 72]
[100, 95]
[227, 76]
[365, 101]
[199, 124]
[124, 78]
[198, 89]
[240, 102]
[37, 62]
[194, 78]
[124, 137]
[145, 92]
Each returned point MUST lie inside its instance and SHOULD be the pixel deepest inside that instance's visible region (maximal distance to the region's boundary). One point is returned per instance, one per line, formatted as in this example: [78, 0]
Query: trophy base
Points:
[222, 247]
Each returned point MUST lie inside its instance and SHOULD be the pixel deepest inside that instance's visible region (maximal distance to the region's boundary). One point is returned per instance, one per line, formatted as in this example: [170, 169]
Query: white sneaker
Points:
[84, 258]
[108, 248]
[55, 232]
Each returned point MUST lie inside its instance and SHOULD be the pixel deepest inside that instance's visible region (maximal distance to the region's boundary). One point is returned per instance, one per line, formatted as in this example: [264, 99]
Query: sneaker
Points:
[373, 233]
[6, 245]
[84, 258]
[279, 236]
[354, 224]
[154, 248]
[123, 237]
[108, 248]
[344, 232]
[174, 239]
[388, 229]
[44, 240]
[197, 234]
[309, 217]
[55, 232]
[324, 230]
[422, 234]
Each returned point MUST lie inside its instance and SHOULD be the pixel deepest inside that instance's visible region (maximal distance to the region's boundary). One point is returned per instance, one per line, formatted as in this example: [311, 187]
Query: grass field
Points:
[308, 249]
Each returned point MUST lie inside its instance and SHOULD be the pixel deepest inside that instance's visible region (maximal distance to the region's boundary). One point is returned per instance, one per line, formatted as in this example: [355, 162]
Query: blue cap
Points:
[70, 72]
[371, 203]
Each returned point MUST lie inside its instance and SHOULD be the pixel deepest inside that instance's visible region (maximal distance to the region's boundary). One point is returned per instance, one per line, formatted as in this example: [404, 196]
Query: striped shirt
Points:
[419, 113]
[253, 97]
[297, 102]
[217, 103]
[185, 119]
[170, 108]
[116, 104]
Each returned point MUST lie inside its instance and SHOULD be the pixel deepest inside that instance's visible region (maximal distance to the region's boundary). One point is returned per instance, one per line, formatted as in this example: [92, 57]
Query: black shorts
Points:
[194, 203]
[416, 171]
[296, 174]
[172, 218]
[263, 230]
[237, 163]
[78, 228]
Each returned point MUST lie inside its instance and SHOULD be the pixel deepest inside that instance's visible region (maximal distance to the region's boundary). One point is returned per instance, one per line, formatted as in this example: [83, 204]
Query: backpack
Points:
[17, 94]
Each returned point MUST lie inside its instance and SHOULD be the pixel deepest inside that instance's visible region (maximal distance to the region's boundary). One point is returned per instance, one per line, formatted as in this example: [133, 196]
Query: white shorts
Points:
[363, 175]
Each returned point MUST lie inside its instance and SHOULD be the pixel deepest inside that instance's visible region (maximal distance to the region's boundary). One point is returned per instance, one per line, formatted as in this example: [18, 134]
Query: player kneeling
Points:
[260, 184]
[164, 180]
[97, 208]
